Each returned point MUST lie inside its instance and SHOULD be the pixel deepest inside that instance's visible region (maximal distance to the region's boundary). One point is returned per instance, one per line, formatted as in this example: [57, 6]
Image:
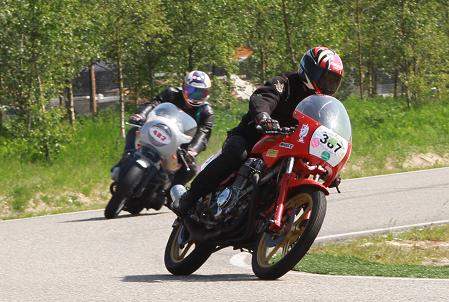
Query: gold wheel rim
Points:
[267, 254]
[177, 252]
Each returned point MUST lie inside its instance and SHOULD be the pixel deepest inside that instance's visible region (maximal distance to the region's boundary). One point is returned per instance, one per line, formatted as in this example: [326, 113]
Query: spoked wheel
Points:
[277, 253]
[114, 206]
[182, 257]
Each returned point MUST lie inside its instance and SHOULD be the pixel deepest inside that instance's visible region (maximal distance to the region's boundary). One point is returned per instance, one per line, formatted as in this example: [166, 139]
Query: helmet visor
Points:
[329, 82]
[195, 94]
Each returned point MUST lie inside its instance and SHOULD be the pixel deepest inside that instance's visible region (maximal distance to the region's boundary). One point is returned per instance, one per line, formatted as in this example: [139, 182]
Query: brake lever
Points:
[134, 125]
[183, 158]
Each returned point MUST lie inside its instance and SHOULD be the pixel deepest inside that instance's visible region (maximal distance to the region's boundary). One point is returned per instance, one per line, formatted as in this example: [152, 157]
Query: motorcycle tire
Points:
[276, 269]
[129, 179]
[186, 265]
[134, 210]
[114, 206]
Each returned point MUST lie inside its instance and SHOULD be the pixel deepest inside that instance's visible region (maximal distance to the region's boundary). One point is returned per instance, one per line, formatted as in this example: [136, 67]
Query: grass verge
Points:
[387, 137]
[419, 253]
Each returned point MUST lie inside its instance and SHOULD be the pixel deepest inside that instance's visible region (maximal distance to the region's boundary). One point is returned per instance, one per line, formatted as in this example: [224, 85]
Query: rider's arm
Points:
[266, 98]
[205, 125]
[167, 95]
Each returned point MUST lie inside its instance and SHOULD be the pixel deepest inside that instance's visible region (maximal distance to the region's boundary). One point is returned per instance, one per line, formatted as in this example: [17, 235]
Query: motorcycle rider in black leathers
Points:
[271, 107]
[192, 99]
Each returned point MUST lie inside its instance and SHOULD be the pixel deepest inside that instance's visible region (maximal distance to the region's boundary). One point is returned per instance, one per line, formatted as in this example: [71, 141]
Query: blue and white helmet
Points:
[196, 88]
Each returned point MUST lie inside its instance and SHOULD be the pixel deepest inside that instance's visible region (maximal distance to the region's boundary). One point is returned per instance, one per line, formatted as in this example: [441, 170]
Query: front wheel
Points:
[184, 258]
[278, 253]
[114, 206]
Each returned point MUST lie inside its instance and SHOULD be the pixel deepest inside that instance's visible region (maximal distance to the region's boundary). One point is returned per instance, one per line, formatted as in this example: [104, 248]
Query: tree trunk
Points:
[93, 90]
[190, 62]
[70, 103]
[263, 64]
[121, 92]
[359, 47]
[152, 60]
[40, 89]
[288, 34]
[372, 80]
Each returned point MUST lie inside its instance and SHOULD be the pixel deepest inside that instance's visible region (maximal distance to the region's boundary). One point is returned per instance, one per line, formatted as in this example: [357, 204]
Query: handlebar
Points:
[134, 125]
[280, 131]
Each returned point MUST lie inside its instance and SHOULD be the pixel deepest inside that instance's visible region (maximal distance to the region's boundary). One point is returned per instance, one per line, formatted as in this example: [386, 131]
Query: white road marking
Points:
[241, 259]
[380, 230]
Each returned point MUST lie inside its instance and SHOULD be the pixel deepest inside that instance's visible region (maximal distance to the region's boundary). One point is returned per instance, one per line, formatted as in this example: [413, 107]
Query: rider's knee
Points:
[235, 146]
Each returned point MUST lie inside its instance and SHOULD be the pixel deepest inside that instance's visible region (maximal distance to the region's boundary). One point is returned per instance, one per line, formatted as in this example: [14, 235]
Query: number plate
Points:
[328, 145]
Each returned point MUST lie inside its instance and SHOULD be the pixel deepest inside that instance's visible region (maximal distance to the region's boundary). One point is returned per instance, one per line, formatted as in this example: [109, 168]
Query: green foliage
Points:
[40, 135]
[221, 92]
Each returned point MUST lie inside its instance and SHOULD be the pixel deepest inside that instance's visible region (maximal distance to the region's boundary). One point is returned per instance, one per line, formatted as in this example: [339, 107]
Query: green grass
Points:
[349, 265]
[385, 132]
[408, 254]
[82, 170]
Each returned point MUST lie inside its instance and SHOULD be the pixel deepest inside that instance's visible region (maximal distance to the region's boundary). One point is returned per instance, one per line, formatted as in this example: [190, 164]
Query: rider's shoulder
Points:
[280, 83]
[206, 108]
[169, 93]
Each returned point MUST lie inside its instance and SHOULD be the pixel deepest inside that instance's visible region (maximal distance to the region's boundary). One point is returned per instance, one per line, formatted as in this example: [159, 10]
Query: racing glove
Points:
[264, 120]
[137, 119]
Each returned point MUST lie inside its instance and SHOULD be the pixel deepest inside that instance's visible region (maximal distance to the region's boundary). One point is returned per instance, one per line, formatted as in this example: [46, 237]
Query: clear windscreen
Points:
[185, 122]
[329, 112]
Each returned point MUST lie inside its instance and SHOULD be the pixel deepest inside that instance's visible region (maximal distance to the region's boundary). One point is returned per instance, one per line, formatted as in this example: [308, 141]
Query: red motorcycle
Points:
[275, 204]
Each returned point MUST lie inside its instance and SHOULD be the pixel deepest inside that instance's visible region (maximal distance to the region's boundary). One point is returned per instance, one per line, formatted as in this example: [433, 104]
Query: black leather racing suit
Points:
[203, 115]
[278, 97]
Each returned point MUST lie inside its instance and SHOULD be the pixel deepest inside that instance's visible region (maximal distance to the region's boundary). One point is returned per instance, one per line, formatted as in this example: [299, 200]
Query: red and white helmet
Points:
[196, 88]
[321, 69]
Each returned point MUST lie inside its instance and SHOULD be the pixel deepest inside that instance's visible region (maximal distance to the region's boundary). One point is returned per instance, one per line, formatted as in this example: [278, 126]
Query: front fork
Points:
[284, 185]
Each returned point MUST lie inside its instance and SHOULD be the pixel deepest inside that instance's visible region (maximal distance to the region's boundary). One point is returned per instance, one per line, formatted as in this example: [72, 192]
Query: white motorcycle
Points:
[142, 178]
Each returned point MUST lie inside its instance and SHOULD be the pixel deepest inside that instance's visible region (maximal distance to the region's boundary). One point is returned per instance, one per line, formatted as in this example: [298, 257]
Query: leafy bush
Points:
[39, 135]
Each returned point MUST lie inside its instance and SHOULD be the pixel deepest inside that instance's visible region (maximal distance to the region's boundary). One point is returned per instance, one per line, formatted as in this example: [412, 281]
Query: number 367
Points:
[325, 140]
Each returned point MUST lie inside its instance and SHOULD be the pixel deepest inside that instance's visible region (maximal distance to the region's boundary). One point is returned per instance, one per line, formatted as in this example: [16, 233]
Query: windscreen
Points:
[329, 112]
[185, 122]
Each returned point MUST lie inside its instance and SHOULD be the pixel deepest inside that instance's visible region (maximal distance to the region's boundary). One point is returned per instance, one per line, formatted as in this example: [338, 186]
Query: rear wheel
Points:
[181, 257]
[277, 253]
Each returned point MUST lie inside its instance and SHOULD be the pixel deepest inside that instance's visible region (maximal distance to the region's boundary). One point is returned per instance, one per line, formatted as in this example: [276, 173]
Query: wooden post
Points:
[93, 90]
[61, 100]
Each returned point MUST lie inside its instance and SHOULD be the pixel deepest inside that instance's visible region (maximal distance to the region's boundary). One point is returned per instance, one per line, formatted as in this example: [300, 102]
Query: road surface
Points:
[82, 257]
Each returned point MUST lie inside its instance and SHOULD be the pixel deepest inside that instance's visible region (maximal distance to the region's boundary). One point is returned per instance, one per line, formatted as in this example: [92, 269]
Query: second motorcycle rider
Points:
[192, 99]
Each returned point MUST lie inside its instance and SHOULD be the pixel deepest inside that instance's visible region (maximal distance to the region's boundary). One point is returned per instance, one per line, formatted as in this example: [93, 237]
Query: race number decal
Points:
[160, 135]
[328, 145]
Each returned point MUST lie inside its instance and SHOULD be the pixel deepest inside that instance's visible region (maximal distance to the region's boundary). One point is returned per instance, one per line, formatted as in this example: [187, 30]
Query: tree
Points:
[128, 25]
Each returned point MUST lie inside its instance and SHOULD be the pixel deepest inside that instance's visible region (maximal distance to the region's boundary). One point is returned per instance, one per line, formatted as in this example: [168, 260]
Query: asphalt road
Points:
[82, 257]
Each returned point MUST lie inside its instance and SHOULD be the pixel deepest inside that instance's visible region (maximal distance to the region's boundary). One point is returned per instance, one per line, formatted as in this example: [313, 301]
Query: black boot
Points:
[186, 203]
